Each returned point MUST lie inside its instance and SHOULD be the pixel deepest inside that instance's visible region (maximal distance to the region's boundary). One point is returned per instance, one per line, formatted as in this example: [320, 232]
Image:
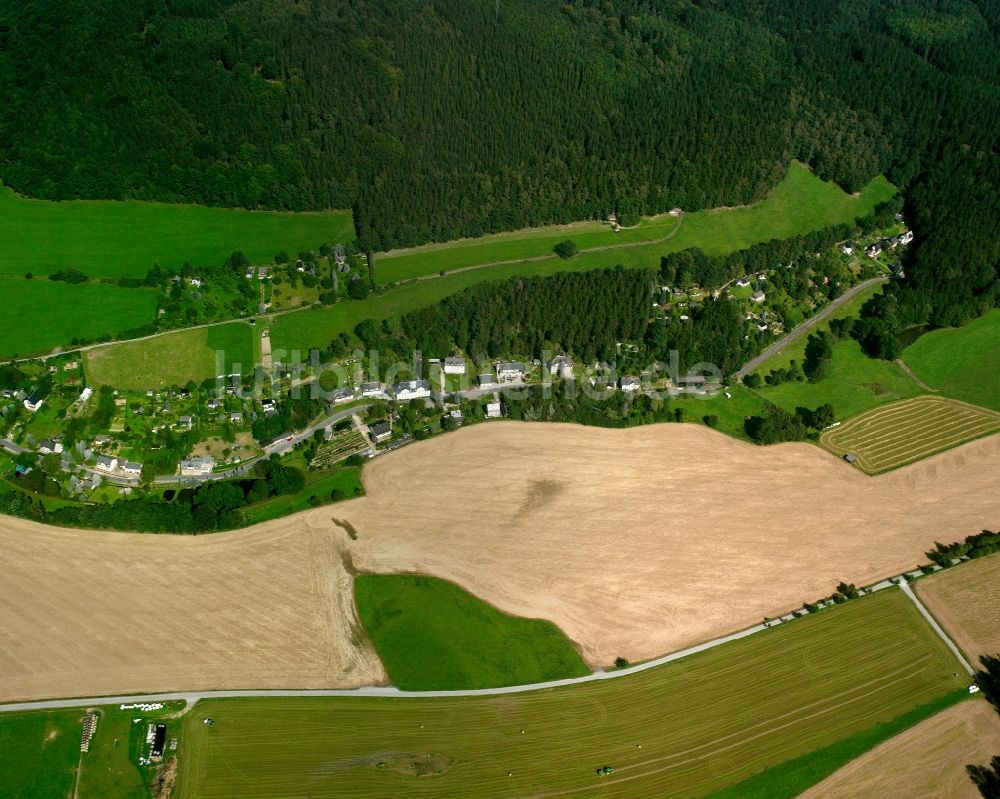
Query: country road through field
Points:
[806, 326]
[192, 697]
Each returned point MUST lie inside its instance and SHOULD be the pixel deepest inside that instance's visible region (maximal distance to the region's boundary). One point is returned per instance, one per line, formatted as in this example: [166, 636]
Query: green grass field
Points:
[682, 730]
[42, 314]
[962, 363]
[856, 383]
[40, 753]
[799, 203]
[172, 359]
[122, 239]
[432, 635]
[891, 436]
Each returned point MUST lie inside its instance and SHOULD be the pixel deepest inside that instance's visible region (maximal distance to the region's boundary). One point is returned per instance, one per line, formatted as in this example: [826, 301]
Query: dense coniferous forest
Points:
[459, 117]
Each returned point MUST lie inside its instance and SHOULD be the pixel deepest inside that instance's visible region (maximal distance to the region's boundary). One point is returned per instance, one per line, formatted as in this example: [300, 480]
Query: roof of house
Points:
[454, 361]
[511, 366]
[379, 428]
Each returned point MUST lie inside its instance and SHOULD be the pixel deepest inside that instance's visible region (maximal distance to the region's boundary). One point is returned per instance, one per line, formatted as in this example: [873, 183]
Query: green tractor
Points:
[604, 771]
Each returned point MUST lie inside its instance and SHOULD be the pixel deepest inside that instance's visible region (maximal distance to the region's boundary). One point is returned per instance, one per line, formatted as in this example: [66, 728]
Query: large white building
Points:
[411, 390]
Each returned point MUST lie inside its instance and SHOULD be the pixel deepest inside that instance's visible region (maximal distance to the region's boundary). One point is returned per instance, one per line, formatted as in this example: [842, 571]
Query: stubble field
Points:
[966, 601]
[633, 542]
[925, 762]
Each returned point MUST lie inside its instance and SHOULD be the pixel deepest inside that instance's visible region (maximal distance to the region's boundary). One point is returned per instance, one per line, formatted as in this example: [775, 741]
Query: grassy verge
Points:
[686, 729]
[123, 239]
[793, 777]
[433, 635]
[961, 362]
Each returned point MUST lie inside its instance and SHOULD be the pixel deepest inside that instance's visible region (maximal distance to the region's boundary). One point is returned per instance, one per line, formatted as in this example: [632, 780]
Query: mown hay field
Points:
[679, 730]
[894, 435]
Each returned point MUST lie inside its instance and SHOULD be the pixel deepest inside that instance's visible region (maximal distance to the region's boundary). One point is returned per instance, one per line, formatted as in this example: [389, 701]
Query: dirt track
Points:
[635, 542]
[924, 762]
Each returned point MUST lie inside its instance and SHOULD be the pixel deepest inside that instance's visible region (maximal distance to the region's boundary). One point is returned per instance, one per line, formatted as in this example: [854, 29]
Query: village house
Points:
[270, 407]
[34, 401]
[374, 391]
[86, 394]
[411, 390]
[846, 249]
[561, 366]
[874, 251]
[757, 296]
[342, 395]
[48, 447]
[630, 384]
[186, 421]
[130, 468]
[906, 237]
[380, 431]
[106, 463]
[743, 282]
[493, 410]
[487, 381]
[198, 466]
[236, 418]
[454, 366]
[510, 372]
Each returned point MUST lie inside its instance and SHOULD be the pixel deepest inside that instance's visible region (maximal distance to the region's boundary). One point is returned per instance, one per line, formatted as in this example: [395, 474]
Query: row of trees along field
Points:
[459, 117]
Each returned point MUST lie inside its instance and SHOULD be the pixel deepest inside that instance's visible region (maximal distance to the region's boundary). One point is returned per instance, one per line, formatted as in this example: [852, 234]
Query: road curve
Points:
[806, 326]
[192, 697]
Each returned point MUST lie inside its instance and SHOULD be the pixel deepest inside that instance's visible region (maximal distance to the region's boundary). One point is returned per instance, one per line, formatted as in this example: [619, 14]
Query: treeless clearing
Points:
[925, 762]
[635, 542]
[966, 602]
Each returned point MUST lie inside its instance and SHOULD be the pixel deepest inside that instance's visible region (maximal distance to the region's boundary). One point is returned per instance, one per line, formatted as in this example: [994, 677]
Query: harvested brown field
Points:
[635, 542]
[925, 762]
[84, 613]
[966, 602]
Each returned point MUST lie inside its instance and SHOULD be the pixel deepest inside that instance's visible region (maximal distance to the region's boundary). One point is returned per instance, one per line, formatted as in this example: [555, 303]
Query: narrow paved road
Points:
[806, 326]
[192, 697]
[937, 628]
